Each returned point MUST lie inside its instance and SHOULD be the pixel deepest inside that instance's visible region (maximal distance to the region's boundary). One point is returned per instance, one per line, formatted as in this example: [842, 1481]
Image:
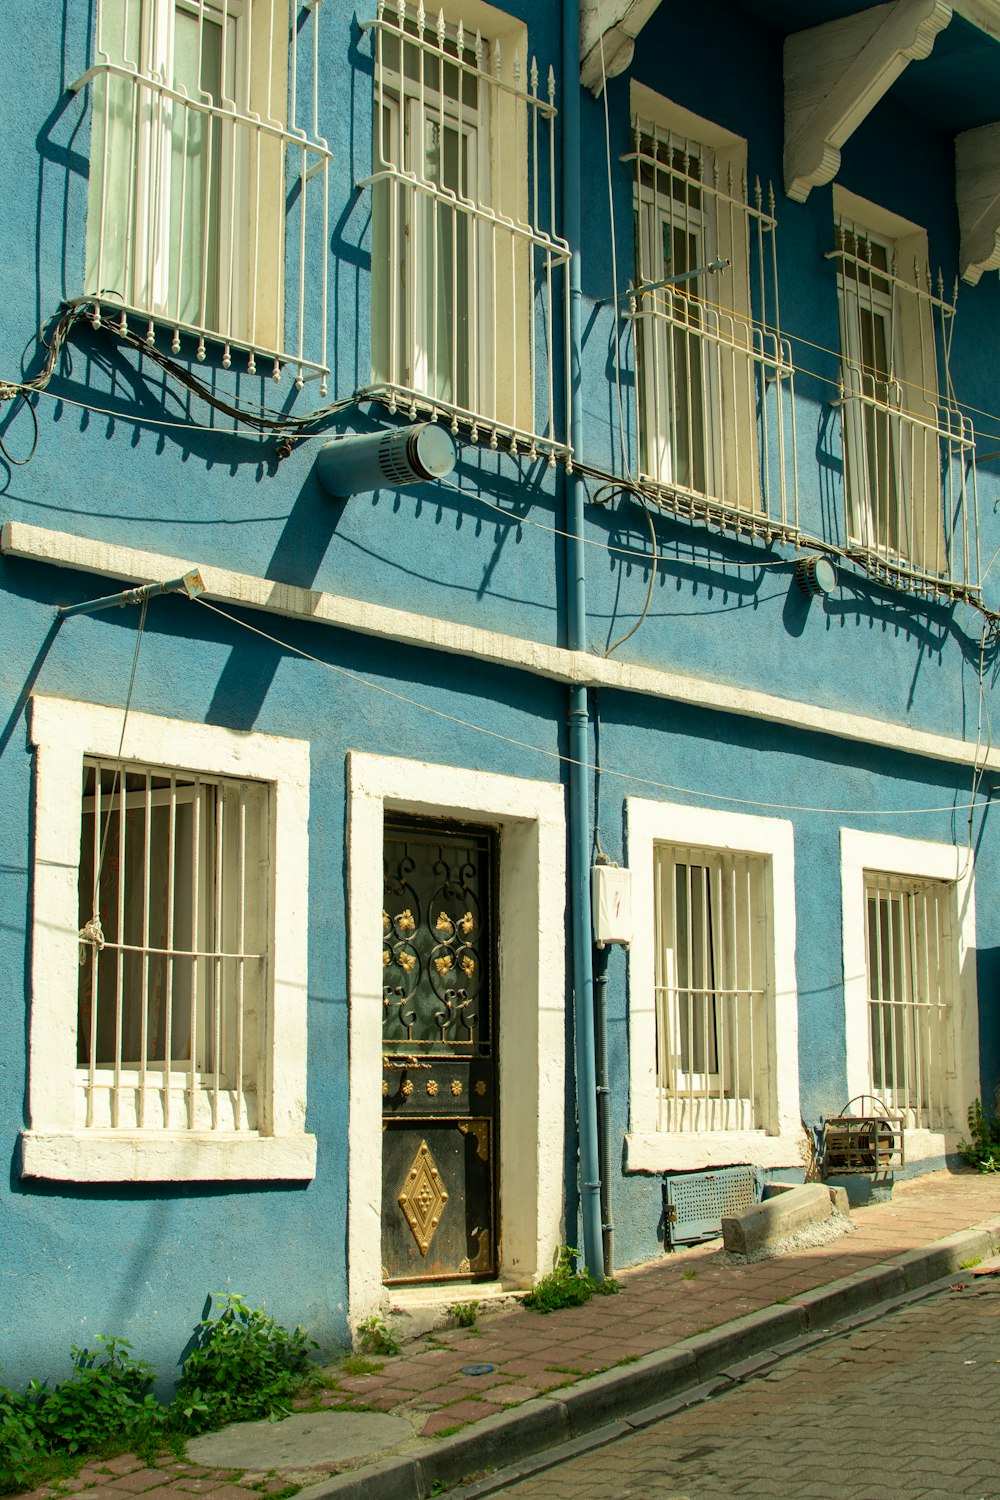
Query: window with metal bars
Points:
[909, 451]
[465, 255]
[195, 152]
[713, 1006]
[911, 972]
[713, 376]
[172, 994]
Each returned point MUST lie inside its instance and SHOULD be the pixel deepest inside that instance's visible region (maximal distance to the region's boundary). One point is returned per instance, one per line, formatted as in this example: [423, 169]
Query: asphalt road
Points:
[905, 1408]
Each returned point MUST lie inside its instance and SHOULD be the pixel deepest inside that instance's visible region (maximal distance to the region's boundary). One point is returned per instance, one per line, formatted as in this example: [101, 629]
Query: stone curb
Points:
[603, 1407]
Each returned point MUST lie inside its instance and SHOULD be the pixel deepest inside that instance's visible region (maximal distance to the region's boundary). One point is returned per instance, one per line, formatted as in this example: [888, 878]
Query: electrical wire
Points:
[654, 564]
[87, 309]
[568, 760]
[289, 427]
[630, 552]
[92, 931]
[614, 266]
[19, 463]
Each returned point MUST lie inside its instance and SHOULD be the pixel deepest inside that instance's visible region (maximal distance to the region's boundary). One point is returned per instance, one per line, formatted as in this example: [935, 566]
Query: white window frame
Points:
[57, 1143]
[769, 840]
[730, 347]
[504, 217]
[919, 859]
[146, 129]
[906, 313]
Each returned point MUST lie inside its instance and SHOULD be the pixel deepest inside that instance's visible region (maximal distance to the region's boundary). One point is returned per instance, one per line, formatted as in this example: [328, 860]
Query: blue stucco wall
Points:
[140, 1261]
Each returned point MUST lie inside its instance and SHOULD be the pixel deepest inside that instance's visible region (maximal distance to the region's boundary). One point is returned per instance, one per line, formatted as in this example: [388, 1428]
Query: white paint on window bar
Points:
[169, 1008]
[197, 145]
[712, 1032]
[909, 450]
[714, 385]
[469, 272]
[713, 1002]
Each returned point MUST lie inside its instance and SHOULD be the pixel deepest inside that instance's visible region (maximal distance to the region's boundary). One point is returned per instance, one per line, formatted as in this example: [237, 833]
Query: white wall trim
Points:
[861, 851]
[554, 663]
[62, 733]
[532, 1064]
[132, 1156]
[652, 1150]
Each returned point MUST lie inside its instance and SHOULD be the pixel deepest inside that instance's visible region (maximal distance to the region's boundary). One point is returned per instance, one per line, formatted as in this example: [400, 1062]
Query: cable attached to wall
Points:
[92, 932]
[558, 755]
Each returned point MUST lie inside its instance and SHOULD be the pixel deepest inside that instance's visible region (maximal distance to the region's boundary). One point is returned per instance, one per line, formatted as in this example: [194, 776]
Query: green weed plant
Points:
[982, 1149]
[376, 1338]
[568, 1284]
[244, 1365]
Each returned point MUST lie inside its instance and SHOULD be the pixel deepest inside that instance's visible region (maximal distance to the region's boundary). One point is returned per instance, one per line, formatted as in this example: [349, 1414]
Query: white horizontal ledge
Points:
[665, 1151]
[156, 1156]
[555, 663]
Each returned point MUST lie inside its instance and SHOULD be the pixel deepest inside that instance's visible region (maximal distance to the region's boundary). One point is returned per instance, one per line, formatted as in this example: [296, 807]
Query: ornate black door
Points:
[439, 1087]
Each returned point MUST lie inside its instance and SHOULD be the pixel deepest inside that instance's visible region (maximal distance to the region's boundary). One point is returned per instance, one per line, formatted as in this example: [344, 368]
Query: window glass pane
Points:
[115, 103]
[195, 171]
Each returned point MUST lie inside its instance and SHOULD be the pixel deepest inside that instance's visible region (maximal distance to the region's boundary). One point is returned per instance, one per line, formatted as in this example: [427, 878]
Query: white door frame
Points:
[530, 817]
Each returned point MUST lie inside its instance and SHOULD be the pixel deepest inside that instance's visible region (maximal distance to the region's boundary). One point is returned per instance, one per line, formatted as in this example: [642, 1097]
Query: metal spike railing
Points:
[715, 407]
[197, 148]
[465, 253]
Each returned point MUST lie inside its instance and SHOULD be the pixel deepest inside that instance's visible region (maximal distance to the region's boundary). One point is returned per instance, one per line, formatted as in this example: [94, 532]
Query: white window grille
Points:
[714, 385]
[467, 265]
[196, 148]
[910, 965]
[172, 993]
[909, 451]
[713, 1004]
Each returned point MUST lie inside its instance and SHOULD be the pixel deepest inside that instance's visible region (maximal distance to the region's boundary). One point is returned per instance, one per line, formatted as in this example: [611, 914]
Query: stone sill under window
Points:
[145, 1156]
[678, 1151]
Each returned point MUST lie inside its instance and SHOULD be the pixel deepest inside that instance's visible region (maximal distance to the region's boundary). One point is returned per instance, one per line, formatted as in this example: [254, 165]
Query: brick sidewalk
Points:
[659, 1304]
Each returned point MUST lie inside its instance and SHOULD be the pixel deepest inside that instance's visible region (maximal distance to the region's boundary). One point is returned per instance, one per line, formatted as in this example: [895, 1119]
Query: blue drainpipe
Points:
[578, 719]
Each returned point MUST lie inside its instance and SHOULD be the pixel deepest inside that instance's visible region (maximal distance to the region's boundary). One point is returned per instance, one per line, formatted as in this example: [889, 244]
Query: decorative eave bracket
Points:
[618, 23]
[836, 73]
[977, 187]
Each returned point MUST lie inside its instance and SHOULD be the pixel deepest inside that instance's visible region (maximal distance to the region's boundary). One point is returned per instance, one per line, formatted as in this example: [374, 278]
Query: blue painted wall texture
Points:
[127, 455]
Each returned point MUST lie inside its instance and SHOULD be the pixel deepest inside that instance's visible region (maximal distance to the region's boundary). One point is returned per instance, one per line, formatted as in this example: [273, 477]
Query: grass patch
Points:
[564, 1370]
[357, 1364]
[690, 1274]
[628, 1359]
[967, 1265]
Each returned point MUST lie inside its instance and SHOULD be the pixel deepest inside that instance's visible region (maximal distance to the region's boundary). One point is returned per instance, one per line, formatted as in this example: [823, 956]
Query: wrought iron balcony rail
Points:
[714, 382]
[208, 209]
[908, 448]
[469, 271]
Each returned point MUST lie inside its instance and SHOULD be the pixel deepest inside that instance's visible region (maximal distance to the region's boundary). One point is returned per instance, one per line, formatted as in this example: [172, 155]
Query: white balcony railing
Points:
[208, 209]
[908, 448]
[468, 270]
[714, 382]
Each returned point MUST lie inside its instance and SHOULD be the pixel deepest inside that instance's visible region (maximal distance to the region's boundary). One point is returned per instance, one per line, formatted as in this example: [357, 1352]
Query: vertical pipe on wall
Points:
[604, 1107]
[578, 718]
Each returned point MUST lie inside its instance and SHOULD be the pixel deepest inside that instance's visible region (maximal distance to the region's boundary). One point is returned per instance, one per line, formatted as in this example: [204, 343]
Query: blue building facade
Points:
[691, 652]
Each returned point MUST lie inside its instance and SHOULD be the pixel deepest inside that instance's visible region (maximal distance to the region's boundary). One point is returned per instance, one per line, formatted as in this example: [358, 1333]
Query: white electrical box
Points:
[611, 899]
